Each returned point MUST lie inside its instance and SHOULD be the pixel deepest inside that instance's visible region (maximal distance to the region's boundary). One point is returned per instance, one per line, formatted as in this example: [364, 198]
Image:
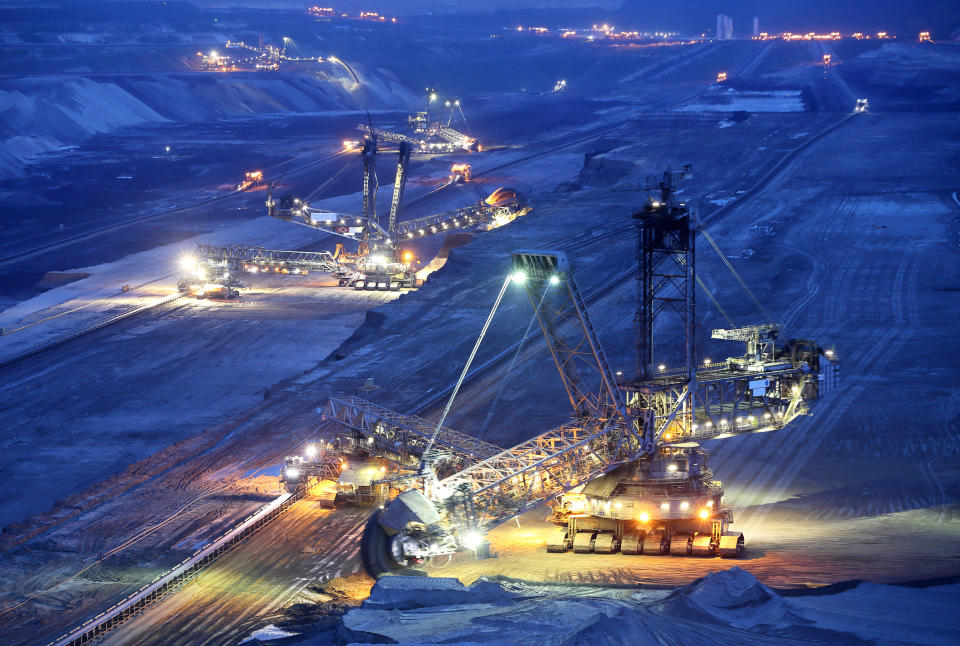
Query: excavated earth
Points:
[849, 238]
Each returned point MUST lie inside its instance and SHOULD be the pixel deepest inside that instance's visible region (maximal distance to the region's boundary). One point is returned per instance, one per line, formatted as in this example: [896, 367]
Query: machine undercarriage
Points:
[666, 503]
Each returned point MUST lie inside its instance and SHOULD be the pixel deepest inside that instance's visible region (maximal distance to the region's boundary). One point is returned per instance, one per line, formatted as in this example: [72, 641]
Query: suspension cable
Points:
[326, 183]
[733, 271]
[463, 373]
[513, 362]
[710, 295]
[467, 125]
[713, 299]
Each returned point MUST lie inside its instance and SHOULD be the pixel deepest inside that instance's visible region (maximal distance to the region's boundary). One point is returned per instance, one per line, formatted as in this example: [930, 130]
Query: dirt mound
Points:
[734, 597]
[407, 593]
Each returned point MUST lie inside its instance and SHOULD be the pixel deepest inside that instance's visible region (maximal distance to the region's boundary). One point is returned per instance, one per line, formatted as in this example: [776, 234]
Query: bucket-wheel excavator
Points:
[626, 473]
[380, 262]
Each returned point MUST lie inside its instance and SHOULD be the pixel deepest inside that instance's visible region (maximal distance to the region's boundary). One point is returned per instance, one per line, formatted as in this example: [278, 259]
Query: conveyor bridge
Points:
[244, 258]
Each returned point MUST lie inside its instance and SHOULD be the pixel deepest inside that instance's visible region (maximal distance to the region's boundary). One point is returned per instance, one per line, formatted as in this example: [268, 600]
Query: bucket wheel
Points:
[376, 549]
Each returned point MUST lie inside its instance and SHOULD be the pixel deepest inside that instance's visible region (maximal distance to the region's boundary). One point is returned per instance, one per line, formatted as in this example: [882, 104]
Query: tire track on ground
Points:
[884, 348]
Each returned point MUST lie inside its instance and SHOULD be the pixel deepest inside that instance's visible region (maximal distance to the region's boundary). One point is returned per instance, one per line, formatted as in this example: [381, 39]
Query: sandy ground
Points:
[152, 398]
[150, 276]
[329, 553]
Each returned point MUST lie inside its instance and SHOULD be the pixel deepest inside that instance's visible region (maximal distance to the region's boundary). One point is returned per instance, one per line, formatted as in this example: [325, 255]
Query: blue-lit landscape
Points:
[423, 322]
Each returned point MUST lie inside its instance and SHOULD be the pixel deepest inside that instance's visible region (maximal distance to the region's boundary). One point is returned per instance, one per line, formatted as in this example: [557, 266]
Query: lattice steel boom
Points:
[399, 183]
[407, 432]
